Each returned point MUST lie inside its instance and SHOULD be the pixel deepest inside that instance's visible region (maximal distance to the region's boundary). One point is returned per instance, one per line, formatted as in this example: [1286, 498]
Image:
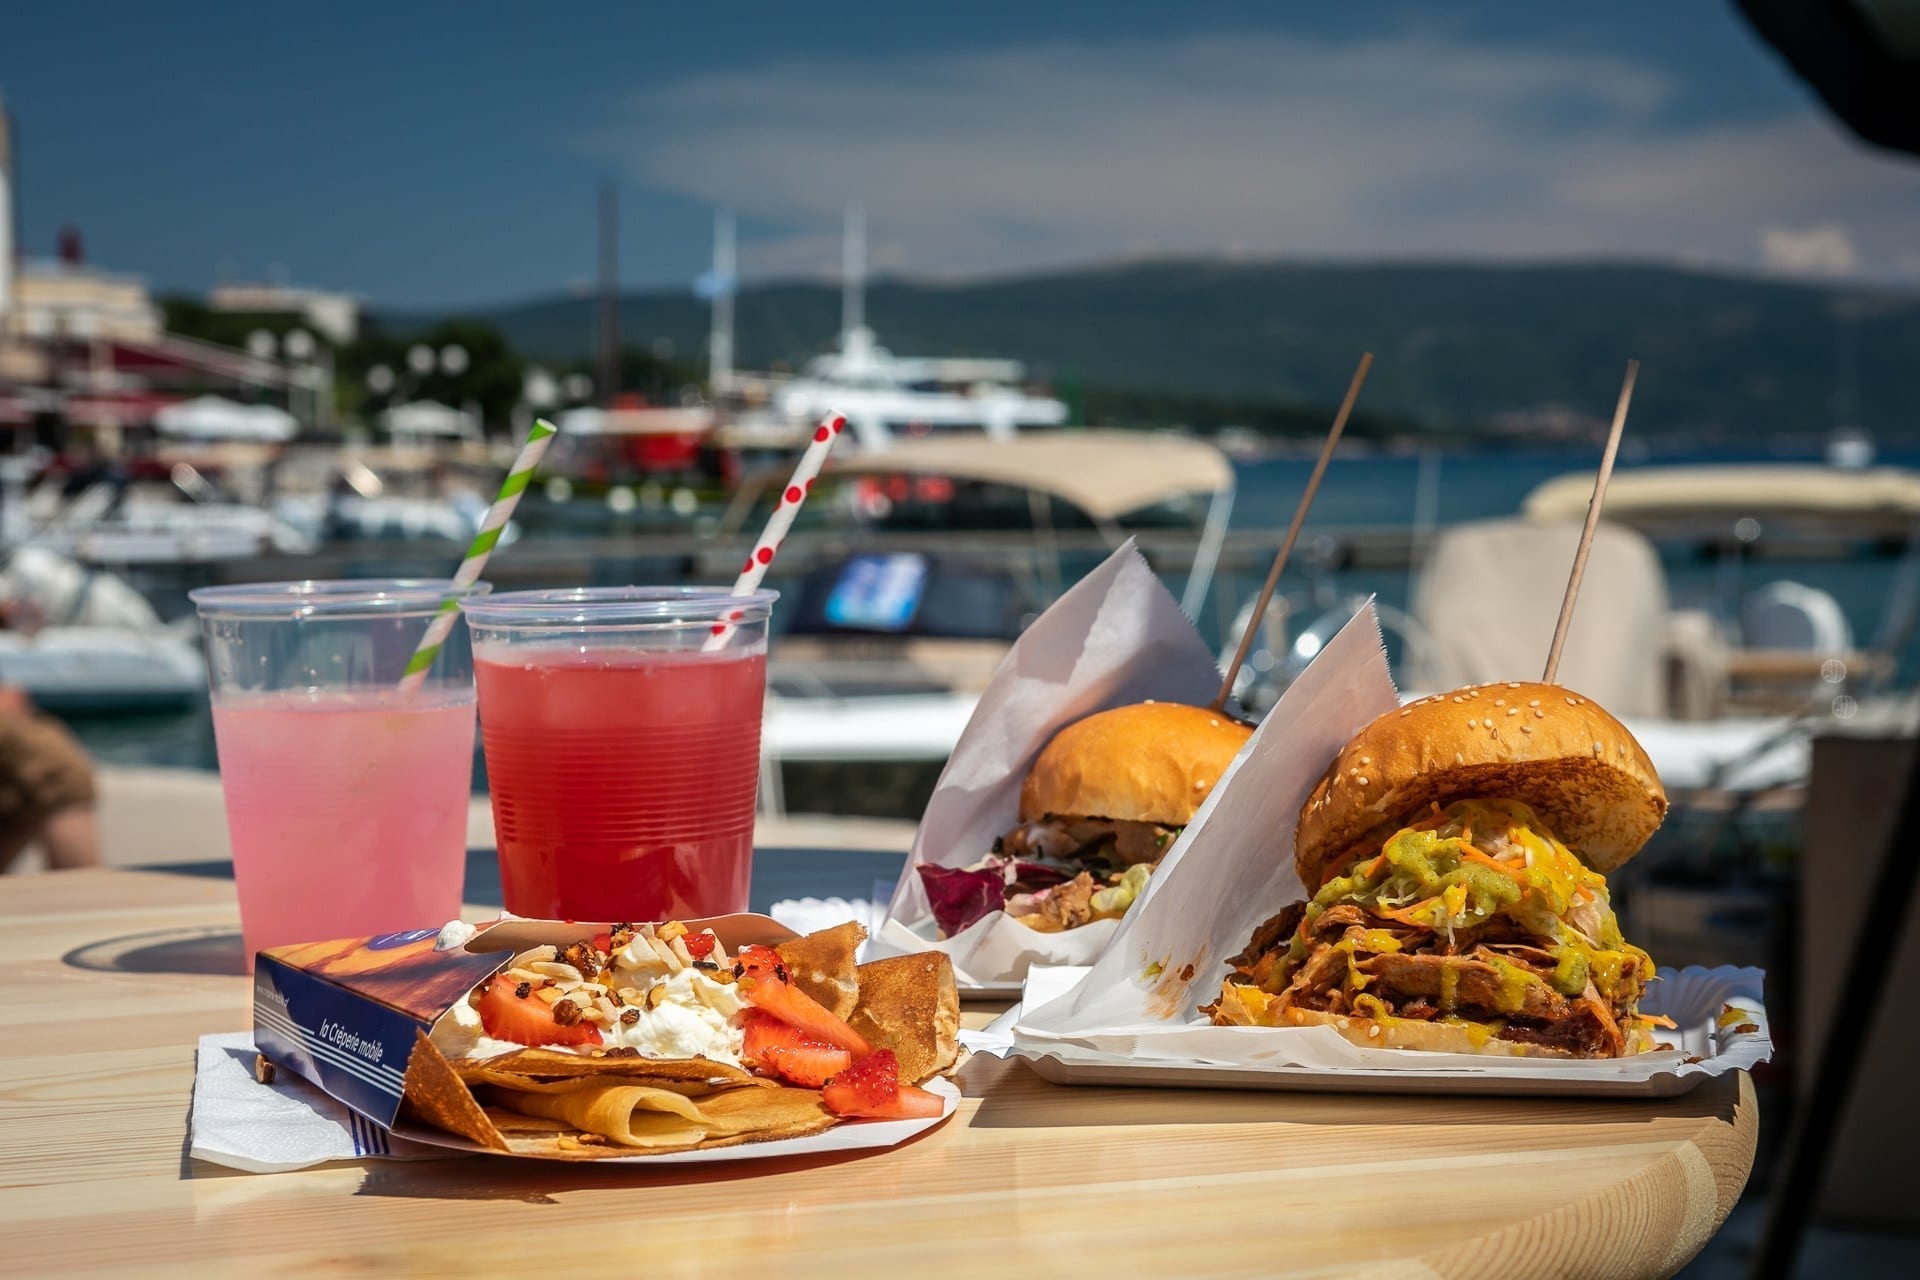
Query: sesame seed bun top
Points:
[1559, 753]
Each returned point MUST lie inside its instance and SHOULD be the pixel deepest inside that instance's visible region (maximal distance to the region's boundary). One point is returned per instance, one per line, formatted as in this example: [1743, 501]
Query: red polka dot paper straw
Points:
[767, 546]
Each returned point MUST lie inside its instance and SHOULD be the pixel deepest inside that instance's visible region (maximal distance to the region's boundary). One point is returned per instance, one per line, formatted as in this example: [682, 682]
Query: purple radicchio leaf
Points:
[961, 895]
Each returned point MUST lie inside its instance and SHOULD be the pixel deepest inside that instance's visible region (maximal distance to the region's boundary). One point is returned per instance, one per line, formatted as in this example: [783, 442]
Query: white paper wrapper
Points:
[243, 1124]
[1707, 1043]
[1116, 637]
[1233, 866]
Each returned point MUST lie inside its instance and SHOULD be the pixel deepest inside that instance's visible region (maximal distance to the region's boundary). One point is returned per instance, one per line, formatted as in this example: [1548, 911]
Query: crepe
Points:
[644, 1118]
[822, 965]
[909, 1004]
[528, 1065]
[604, 1103]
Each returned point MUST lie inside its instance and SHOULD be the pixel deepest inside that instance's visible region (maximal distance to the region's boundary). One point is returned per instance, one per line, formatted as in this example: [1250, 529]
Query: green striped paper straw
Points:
[482, 546]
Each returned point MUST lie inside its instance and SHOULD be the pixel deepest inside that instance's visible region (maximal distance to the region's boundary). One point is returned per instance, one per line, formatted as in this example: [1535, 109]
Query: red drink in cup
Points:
[622, 741]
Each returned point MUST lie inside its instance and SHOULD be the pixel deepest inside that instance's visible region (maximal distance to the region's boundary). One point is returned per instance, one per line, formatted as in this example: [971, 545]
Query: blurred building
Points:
[336, 316]
[65, 299]
[85, 348]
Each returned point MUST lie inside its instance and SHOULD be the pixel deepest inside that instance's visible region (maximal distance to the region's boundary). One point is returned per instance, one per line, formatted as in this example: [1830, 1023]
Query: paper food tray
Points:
[1695, 998]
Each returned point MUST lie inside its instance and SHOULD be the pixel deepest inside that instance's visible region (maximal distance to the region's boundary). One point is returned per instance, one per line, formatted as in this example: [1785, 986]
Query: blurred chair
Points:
[1491, 594]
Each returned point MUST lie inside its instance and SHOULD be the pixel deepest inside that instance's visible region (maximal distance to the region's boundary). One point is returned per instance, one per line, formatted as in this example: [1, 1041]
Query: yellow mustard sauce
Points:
[1424, 875]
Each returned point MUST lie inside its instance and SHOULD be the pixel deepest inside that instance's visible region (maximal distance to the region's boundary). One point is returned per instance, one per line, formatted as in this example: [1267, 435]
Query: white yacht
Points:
[885, 397]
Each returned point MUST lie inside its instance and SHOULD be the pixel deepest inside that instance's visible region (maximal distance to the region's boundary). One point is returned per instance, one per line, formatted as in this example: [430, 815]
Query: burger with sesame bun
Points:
[1455, 855]
[1101, 806]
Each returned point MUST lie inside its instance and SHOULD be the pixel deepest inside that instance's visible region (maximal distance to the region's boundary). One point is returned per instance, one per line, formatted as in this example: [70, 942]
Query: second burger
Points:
[1101, 806]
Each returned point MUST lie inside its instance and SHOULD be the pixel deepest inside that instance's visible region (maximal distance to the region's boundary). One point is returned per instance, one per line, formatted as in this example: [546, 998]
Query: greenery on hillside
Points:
[1528, 349]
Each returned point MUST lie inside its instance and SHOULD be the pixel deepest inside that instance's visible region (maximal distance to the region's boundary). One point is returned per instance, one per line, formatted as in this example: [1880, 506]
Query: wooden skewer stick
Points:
[1293, 531]
[1593, 521]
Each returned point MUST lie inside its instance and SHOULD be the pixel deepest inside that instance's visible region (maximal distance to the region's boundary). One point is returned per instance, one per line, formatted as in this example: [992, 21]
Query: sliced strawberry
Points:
[763, 980]
[871, 1087]
[528, 1020]
[700, 945]
[791, 1053]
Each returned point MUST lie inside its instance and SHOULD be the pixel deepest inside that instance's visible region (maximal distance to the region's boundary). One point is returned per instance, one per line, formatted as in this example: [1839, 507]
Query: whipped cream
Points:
[455, 934]
[683, 1012]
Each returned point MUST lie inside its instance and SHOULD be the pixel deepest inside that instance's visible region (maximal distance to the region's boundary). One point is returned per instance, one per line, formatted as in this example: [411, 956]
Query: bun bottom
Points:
[1411, 1033]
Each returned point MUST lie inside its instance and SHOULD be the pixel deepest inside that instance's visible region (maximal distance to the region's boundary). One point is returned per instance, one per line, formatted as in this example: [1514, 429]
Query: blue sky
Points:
[430, 153]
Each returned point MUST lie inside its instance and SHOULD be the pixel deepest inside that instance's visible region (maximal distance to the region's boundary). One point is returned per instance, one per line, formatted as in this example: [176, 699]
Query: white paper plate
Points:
[853, 1135]
[805, 915]
[1693, 997]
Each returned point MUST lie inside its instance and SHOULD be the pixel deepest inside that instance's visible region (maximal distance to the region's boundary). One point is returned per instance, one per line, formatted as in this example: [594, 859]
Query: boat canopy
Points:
[649, 421]
[1663, 495]
[212, 418]
[1106, 474]
[430, 418]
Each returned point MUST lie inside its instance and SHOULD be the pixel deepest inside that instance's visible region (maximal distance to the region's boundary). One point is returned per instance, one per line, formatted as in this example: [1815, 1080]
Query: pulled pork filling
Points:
[1057, 873]
[1475, 915]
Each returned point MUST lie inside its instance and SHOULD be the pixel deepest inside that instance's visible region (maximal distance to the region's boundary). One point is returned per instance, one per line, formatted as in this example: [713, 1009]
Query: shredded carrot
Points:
[1474, 855]
[1377, 865]
[1405, 914]
[1658, 1020]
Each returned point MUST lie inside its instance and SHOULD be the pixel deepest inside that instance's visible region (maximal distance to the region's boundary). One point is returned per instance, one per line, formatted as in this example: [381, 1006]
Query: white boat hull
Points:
[102, 669]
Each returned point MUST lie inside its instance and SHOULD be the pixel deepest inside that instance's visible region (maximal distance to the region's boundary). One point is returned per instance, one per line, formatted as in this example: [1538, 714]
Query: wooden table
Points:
[1028, 1178]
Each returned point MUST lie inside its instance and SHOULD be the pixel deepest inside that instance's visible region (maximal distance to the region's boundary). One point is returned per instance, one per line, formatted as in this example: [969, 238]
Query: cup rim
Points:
[332, 598]
[616, 606]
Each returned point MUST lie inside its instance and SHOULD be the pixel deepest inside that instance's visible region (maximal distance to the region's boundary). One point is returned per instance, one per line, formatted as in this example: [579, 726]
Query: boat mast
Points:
[853, 272]
[720, 336]
[609, 363]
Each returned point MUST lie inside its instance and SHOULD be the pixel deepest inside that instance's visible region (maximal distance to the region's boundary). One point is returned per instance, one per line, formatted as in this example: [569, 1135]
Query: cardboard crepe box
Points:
[347, 1015]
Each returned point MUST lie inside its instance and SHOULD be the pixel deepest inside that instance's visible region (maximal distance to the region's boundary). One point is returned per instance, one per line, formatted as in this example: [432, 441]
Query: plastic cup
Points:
[623, 754]
[346, 798]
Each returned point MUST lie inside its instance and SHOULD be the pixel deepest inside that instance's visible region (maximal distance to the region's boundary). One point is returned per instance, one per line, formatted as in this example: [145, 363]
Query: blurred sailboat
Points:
[885, 397]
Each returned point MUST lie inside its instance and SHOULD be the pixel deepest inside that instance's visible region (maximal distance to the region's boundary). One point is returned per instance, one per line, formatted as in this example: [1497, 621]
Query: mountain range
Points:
[1532, 350]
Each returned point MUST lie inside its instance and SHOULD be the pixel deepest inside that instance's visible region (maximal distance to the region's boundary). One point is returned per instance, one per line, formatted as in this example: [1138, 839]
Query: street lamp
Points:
[539, 389]
[422, 361]
[312, 366]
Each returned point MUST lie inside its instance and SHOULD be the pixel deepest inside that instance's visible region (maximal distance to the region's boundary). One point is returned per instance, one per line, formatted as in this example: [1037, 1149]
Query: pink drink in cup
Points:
[622, 759]
[346, 797]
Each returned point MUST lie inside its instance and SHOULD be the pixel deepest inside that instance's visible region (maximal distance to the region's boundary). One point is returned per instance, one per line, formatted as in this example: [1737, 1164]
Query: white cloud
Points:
[1821, 250]
[1408, 146]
